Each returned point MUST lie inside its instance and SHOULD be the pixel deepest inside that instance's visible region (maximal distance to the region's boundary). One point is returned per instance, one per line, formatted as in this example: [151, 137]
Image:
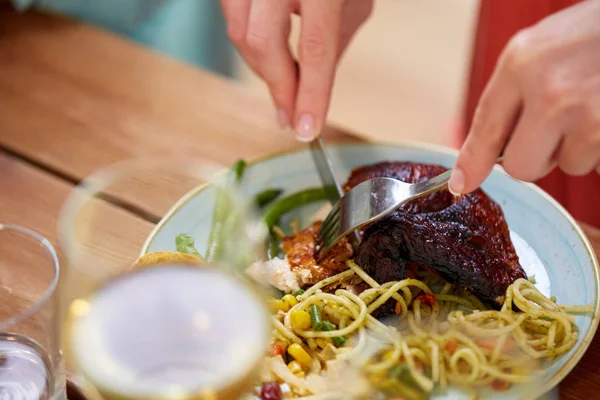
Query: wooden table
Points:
[74, 99]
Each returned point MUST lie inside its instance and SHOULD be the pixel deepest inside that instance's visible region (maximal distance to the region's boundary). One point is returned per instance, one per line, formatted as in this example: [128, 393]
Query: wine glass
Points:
[31, 365]
[170, 325]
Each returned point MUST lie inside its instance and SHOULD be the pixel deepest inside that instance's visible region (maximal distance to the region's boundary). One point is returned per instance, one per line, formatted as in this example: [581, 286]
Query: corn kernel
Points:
[299, 354]
[295, 367]
[290, 300]
[278, 305]
[322, 342]
[388, 355]
[300, 319]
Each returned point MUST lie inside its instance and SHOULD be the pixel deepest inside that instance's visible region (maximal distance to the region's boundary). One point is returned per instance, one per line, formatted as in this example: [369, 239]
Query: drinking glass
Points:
[169, 325]
[31, 365]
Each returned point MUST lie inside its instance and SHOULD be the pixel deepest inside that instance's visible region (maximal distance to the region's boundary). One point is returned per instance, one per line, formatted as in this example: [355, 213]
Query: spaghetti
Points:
[441, 335]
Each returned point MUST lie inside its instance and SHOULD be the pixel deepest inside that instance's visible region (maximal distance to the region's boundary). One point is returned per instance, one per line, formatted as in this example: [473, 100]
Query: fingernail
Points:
[305, 129]
[457, 182]
[283, 119]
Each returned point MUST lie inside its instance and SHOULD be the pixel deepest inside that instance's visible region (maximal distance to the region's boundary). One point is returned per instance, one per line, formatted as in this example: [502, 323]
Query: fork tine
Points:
[326, 242]
[330, 217]
[329, 226]
[322, 237]
[331, 229]
[327, 238]
[330, 239]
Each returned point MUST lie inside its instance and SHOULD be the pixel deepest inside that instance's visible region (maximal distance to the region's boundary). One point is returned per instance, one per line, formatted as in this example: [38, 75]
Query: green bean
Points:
[219, 216]
[266, 196]
[238, 168]
[398, 389]
[221, 212]
[409, 387]
[315, 317]
[299, 292]
[274, 248]
[184, 243]
[278, 209]
[275, 211]
[399, 372]
[328, 326]
[229, 242]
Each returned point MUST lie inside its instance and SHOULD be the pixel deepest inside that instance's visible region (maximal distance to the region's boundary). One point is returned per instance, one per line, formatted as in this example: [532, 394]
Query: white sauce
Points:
[531, 263]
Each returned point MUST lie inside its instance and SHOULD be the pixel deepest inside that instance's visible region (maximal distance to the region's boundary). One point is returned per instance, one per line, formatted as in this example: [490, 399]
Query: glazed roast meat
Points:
[465, 240]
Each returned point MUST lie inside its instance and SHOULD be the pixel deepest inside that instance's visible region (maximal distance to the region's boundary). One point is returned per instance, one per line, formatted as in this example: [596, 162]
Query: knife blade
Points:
[333, 190]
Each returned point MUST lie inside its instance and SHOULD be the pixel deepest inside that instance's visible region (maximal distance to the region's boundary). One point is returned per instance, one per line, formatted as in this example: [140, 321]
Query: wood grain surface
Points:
[98, 99]
[74, 99]
[33, 197]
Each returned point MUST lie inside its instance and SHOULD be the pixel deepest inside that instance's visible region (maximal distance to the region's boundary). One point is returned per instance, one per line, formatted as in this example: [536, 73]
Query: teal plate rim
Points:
[564, 370]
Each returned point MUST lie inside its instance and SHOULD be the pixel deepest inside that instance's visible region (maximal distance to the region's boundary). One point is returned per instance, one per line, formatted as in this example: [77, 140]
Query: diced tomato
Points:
[451, 346]
[500, 385]
[276, 350]
[538, 348]
[427, 298]
[398, 308]
[419, 367]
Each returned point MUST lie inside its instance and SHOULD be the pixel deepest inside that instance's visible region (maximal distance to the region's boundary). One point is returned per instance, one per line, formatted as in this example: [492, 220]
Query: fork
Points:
[369, 201]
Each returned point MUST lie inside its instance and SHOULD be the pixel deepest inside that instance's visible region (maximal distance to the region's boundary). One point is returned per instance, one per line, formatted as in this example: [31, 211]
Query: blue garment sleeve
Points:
[190, 30]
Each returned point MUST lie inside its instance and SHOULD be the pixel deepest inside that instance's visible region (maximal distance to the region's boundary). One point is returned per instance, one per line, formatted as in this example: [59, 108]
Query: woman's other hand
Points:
[260, 29]
[541, 107]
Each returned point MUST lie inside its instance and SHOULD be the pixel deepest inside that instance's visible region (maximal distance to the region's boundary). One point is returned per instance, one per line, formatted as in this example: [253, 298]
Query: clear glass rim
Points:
[95, 184]
[34, 308]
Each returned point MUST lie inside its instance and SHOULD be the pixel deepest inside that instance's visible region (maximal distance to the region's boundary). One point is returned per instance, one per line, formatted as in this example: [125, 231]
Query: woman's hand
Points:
[260, 30]
[541, 107]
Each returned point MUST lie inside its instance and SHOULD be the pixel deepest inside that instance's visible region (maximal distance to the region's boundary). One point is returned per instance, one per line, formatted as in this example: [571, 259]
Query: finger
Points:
[492, 125]
[530, 152]
[317, 55]
[237, 13]
[578, 154]
[267, 39]
[355, 13]
[580, 150]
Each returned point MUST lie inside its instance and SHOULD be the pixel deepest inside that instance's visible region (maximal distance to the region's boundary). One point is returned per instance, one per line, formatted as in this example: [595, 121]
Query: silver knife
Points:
[333, 190]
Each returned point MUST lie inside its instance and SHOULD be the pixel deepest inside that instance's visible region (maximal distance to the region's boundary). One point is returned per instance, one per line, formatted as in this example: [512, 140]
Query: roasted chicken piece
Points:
[300, 250]
[465, 240]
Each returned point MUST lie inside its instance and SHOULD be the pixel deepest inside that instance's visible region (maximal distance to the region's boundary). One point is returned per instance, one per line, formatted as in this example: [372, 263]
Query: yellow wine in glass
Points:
[174, 330]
